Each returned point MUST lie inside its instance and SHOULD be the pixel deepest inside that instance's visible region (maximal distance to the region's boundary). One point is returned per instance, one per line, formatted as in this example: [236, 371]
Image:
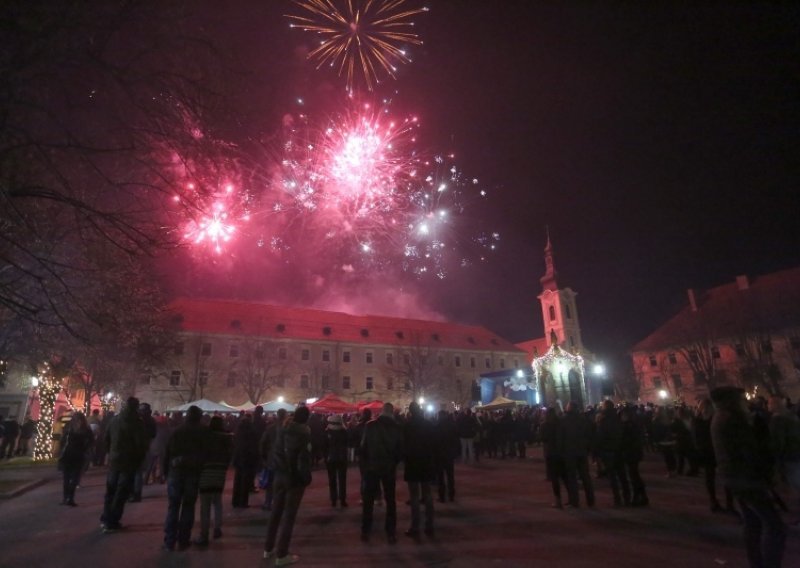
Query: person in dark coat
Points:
[151, 430]
[549, 434]
[381, 451]
[468, 427]
[292, 476]
[449, 448]
[26, 433]
[741, 467]
[78, 440]
[126, 443]
[335, 450]
[631, 453]
[267, 452]
[245, 462]
[575, 437]
[608, 438]
[701, 432]
[9, 438]
[420, 449]
[217, 455]
[183, 462]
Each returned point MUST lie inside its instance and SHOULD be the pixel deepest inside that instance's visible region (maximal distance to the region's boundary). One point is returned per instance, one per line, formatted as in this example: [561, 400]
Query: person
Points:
[631, 453]
[742, 469]
[292, 476]
[784, 431]
[9, 438]
[183, 461]
[449, 448]
[553, 459]
[701, 431]
[268, 444]
[467, 426]
[419, 472]
[150, 428]
[245, 462]
[608, 438]
[575, 437]
[126, 444]
[381, 451]
[26, 433]
[216, 459]
[336, 460]
[78, 440]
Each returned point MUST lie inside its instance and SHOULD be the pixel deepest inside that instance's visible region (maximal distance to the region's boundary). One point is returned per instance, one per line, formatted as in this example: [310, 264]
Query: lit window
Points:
[175, 378]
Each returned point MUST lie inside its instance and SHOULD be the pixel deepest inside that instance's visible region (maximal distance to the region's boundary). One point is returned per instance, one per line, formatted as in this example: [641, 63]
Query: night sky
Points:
[658, 143]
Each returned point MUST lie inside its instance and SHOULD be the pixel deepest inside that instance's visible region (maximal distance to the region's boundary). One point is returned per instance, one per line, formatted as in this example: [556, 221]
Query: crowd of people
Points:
[741, 447]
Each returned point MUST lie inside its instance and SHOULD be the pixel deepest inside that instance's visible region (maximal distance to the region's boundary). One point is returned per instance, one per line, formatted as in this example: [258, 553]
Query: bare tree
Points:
[262, 365]
[419, 370]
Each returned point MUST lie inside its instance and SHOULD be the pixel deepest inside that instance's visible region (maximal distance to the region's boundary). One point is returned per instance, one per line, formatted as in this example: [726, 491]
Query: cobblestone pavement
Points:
[501, 517]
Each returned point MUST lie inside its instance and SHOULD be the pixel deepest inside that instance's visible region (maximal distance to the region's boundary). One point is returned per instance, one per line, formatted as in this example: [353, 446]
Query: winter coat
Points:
[245, 447]
[631, 446]
[448, 440]
[185, 449]
[336, 439]
[608, 434]
[739, 458]
[575, 435]
[267, 446]
[217, 455]
[419, 450]
[75, 447]
[382, 445]
[126, 441]
[467, 426]
[293, 454]
[550, 435]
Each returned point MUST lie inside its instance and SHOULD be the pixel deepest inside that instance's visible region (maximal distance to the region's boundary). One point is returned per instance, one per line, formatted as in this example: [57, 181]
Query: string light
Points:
[49, 387]
[559, 360]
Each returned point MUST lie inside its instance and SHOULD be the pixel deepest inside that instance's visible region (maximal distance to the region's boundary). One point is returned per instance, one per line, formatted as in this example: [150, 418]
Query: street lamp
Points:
[662, 394]
[281, 399]
[599, 369]
[421, 400]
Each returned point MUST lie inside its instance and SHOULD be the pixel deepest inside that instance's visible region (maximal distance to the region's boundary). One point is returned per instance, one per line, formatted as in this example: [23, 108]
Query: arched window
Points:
[552, 313]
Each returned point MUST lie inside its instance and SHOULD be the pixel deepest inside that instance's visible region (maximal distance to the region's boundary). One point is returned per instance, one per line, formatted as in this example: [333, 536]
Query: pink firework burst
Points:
[214, 217]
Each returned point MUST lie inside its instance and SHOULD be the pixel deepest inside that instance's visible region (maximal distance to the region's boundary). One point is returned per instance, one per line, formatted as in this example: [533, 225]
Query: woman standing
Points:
[77, 442]
[216, 460]
[336, 460]
[245, 461]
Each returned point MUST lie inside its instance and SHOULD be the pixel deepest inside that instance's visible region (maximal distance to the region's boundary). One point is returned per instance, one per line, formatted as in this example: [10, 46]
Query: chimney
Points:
[692, 299]
[742, 282]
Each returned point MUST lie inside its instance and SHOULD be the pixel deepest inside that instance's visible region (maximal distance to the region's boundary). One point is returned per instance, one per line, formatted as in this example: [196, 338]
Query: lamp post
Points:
[599, 371]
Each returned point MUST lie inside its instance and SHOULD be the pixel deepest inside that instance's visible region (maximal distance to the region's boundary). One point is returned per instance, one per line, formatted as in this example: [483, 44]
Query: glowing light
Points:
[662, 394]
[360, 39]
[281, 399]
[213, 215]
[430, 408]
[599, 369]
[421, 400]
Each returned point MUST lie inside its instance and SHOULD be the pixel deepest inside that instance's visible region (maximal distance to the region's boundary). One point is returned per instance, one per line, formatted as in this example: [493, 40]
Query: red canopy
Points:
[332, 404]
[373, 405]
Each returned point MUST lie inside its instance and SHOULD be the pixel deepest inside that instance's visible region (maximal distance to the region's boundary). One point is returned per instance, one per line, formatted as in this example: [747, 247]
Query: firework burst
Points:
[213, 217]
[359, 38]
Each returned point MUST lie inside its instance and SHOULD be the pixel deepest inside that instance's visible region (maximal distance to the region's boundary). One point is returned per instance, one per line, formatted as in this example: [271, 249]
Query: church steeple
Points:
[549, 280]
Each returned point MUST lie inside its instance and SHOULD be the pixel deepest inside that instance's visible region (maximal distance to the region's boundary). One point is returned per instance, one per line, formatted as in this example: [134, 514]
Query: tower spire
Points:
[550, 275]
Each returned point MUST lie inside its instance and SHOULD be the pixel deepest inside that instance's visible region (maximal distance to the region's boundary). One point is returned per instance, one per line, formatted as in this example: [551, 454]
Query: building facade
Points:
[745, 333]
[242, 352]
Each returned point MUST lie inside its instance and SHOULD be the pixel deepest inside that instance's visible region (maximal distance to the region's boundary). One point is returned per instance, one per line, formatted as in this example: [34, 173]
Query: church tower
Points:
[559, 310]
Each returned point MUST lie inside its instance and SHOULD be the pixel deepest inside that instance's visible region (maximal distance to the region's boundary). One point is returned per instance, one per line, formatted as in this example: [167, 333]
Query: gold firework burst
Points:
[360, 38]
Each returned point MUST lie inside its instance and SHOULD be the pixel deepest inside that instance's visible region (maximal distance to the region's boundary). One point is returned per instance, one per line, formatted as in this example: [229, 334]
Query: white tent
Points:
[247, 406]
[275, 405]
[203, 404]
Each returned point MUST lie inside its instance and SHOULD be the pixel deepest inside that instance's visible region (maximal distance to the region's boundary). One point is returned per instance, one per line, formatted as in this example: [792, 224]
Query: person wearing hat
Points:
[126, 442]
[740, 463]
[336, 459]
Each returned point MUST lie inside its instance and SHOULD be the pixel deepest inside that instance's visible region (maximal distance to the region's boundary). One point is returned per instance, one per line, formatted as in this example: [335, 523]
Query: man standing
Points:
[126, 442]
[292, 476]
[742, 469]
[381, 451]
[268, 445]
[419, 472]
[449, 447]
[467, 430]
[183, 461]
[575, 436]
[150, 429]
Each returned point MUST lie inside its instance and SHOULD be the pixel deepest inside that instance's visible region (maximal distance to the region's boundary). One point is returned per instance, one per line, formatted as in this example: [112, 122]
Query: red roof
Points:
[768, 303]
[230, 317]
[534, 347]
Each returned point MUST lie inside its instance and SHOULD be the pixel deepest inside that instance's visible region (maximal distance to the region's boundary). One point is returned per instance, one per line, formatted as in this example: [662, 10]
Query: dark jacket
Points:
[448, 440]
[550, 435]
[293, 453]
[419, 439]
[336, 439]
[467, 426]
[608, 434]
[382, 446]
[245, 446]
[185, 449]
[631, 446]
[217, 454]
[126, 441]
[575, 435]
[267, 446]
[75, 447]
[739, 459]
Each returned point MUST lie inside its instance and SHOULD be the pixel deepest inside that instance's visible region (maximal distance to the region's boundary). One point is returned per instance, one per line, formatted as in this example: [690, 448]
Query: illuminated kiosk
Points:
[560, 377]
